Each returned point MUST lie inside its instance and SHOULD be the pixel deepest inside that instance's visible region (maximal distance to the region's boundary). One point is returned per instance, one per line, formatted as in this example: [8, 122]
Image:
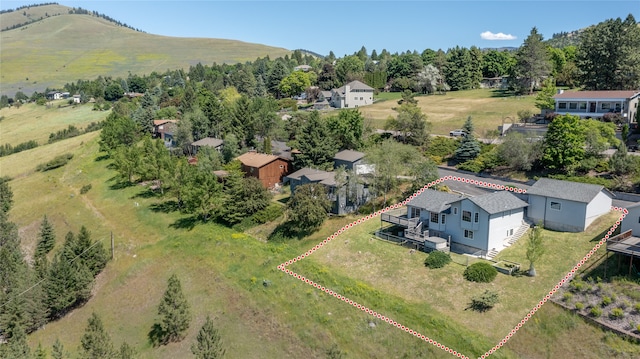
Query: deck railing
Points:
[399, 220]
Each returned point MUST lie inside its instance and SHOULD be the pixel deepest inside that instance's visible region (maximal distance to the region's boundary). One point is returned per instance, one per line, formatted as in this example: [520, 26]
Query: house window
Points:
[510, 232]
[476, 217]
[434, 217]
[556, 205]
[562, 105]
[618, 107]
[468, 234]
[443, 215]
[281, 166]
[455, 210]
[583, 105]
[605, 106]
[415, 212]
[466, 216]
[573, 105]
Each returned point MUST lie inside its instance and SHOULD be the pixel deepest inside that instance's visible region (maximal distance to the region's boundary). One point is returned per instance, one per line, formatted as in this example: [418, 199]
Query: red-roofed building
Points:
[269, 169]
[595, 104]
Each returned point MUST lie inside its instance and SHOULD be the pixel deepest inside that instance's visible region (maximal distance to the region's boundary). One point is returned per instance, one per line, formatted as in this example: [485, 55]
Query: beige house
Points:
[353, 94]
[593, 104]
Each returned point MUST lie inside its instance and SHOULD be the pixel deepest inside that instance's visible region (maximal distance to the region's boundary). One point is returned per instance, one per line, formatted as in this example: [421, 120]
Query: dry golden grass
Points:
[487, 108]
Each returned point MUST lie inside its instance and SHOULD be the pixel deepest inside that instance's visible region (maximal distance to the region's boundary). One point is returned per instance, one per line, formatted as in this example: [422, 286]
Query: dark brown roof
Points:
[596, 94]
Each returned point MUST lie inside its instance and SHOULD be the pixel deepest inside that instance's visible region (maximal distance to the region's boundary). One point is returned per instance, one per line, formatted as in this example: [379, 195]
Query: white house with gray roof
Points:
[567, 206]
[484, 224]
[353, 94]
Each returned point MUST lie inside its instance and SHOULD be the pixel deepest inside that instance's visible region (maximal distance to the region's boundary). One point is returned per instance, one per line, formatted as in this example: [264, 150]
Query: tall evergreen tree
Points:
[96, 342]
[174, 311]
[469, 148]
[532, 61]
[6, 196]
[126, 352]
[46, 240]
[17, 347]
[91, 254]
[57, 351]
[458, 70]
[315, 143]
[208, 343]
[608, 57]
[276, 74]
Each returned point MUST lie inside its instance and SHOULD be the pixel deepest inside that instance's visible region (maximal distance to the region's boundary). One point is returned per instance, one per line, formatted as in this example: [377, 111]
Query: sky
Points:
[345, 26]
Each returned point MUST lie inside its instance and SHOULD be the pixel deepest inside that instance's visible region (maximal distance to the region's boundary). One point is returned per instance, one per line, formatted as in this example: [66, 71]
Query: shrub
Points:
[268, 214]
[59, 161]
[625, 304]
[437, 259]
[576, 286]
[484, 301]
[480, 272]
[85, 188]
[595, 312]
[474, 165]
[616, 313]
[579, 306]
[638, 328]
[605, 301]
[637, 308]
[567, 297]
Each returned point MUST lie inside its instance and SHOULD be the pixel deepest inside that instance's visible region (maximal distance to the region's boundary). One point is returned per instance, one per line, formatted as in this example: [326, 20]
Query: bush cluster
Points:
[437, 259]
[595, 312]
[616, 313]
[7, 149]
[59, 161]
[480, 272]
[484, 301]
[85, 188]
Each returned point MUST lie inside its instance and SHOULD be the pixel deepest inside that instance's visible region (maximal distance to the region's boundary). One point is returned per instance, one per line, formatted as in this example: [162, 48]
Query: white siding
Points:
[501, 224]
[632, 221]
[600, 205]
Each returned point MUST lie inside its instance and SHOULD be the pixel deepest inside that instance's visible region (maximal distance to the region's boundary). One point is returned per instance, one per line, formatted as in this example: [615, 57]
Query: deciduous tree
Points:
[535, 248]
[563, 146]
[307, 208]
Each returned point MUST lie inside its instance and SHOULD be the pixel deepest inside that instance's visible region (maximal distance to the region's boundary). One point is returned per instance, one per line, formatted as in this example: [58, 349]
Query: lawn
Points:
[400, 272]
[488, 109]
[35, 122]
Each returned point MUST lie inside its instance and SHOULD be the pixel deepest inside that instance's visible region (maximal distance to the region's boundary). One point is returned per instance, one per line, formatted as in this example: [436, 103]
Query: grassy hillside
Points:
[61, 49]
[487, 108]
[45, 120]
[30, 14]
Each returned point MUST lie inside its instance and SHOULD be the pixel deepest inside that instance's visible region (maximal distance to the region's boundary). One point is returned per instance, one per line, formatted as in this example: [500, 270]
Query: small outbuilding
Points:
[269, 169]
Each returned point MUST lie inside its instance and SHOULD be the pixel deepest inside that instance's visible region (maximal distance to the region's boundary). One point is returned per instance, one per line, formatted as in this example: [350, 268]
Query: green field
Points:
[44, 120]
[224, 273]
[65, 48]
[488, 109]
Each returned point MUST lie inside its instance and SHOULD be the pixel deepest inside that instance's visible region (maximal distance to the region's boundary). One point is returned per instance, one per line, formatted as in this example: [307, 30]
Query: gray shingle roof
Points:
[434, 201]
[498, 202]
[571, 191]
[348, 155]
[208, 141]
[304, 172]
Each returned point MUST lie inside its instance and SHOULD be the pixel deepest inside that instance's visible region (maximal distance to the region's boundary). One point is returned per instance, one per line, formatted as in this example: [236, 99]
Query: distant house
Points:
[567, 206]
[632, 220]
[481, 225]
[54, 95]
[269, 169]
[304, 68]
[343, 200]
[594, 104]
[165, 130]
[214, 143]
[77, 98]
[352, 160]
[353, 94]
[133, 94]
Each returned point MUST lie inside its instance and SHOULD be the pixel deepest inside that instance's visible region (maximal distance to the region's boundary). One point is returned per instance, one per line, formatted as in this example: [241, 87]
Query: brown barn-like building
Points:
[269, 169]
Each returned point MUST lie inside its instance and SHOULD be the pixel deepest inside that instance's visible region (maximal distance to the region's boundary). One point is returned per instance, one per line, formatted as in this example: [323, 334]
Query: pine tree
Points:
[68, 284]
[96, 342]
[208, 344]
[47, 239]
[469, 147]
[174, 312]
[315, 143]
[126, 351]
[17, 347]
[532, 61]
[92, 254]
[6, 196]
[40, 352]
[57, 352]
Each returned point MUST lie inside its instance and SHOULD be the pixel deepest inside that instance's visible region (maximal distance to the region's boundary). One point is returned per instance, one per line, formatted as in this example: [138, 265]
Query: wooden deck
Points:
[624, 243]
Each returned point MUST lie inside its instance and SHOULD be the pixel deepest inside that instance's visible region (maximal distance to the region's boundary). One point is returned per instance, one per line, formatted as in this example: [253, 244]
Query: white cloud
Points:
[488, 35]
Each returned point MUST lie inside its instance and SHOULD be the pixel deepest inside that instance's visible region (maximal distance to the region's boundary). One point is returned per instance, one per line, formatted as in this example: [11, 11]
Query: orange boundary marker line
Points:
[567, 277]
